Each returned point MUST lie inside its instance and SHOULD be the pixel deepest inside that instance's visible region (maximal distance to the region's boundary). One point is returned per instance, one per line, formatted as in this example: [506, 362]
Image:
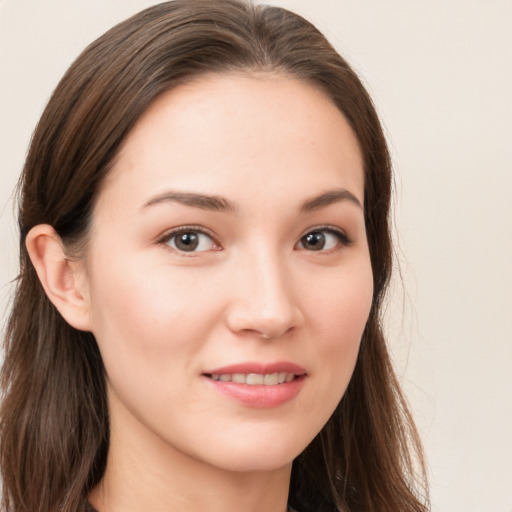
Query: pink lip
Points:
[263, 368]
[259, 396]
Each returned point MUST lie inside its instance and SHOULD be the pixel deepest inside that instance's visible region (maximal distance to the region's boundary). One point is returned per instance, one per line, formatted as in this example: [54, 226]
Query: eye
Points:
[323, 240]
[190, 240]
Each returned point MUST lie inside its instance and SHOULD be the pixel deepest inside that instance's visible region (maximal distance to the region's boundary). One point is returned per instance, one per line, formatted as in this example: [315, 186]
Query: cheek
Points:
[338, 317]
[340, 306]
[145, 318]
[145, 321]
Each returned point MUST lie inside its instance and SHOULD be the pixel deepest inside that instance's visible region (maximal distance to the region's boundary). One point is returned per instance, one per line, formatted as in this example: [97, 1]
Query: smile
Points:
[258, 385]
[255, 379]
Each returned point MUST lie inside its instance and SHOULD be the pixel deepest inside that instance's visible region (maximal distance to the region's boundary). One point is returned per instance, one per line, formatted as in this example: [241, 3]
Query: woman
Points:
[205, 249]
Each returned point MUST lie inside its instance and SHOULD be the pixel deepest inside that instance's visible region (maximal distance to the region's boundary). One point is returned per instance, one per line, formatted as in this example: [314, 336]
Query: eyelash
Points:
[167, 237]
[342, 237]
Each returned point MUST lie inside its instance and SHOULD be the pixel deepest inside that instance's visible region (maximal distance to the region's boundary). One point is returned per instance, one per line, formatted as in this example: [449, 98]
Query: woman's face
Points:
[229, 243]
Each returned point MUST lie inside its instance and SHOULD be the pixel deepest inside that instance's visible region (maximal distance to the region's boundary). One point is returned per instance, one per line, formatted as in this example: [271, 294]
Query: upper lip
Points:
[261, 368]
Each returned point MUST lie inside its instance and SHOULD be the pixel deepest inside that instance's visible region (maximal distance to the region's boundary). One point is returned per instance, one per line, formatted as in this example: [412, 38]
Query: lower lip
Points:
[260, 396]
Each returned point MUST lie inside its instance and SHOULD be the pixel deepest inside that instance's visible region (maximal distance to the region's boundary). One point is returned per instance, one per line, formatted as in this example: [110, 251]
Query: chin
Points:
[263, 454]
[248, 463]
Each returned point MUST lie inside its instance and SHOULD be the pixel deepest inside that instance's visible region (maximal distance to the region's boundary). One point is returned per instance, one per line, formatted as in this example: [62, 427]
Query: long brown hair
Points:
[54, 419]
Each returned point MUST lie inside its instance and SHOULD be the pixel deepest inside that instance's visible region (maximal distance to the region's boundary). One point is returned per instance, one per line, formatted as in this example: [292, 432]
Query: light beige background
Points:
[440, 73]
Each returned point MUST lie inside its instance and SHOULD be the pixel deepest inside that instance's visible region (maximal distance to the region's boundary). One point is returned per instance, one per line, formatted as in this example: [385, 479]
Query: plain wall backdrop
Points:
[440, 73]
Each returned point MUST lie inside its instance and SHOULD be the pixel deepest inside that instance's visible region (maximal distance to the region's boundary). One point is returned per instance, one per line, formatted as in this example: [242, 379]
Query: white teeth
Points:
[254, 379]
[271, 379]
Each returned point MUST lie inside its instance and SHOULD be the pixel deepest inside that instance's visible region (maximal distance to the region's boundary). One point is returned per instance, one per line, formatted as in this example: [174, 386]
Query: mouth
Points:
[255, 379]
[258, 385]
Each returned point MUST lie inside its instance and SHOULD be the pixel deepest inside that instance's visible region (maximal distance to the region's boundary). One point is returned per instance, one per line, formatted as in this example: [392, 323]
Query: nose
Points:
[264, 302]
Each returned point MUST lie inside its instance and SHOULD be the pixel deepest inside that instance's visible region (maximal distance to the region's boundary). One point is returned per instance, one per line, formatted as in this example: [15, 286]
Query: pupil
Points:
[187, 241]
[315, 241]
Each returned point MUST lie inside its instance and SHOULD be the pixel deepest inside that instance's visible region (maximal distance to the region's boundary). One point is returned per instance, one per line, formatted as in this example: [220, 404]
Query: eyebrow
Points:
[221, 204]
[328, 198]
[202, 201]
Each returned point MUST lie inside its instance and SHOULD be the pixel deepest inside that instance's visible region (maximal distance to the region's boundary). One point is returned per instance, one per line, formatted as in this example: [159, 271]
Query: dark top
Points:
[90, 508]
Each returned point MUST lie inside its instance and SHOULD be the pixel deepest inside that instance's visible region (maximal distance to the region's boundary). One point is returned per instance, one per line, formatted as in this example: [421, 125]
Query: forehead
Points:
[226, 133]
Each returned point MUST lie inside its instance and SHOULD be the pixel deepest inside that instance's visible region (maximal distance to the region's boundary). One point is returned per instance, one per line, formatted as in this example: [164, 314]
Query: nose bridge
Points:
[264, 301]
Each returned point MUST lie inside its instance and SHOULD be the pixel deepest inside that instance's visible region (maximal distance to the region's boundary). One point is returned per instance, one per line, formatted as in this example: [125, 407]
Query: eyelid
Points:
[164, 238]
[344, 239]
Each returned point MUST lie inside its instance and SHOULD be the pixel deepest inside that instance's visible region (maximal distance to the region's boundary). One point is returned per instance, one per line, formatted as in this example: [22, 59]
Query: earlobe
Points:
[62, 279]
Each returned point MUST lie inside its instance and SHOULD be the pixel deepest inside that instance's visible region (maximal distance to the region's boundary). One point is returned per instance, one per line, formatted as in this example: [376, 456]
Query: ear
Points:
[63, 280]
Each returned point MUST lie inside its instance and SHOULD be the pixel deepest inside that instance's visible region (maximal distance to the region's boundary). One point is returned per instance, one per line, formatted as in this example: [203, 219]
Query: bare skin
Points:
[229, 232]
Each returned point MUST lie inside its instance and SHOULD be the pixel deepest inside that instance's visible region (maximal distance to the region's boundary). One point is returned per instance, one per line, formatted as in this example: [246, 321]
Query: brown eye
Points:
[186, 241]
[190, 241]
[314, 241]
[323, 240]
